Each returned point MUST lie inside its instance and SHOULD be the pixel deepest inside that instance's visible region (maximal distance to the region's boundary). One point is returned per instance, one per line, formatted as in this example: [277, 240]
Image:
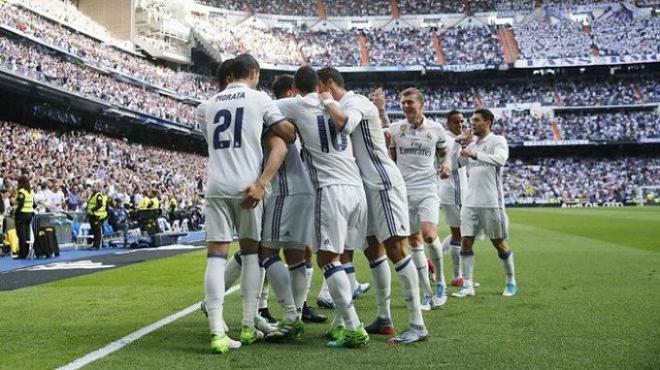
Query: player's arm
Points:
[391, 143]
[277, 149]
[285, 130]
[379, 102]
[276, 121]
[443, 157]
[498, 158]
[345, 120]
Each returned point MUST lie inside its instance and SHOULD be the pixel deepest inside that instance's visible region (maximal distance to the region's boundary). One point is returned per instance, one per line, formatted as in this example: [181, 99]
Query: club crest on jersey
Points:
[429, 136]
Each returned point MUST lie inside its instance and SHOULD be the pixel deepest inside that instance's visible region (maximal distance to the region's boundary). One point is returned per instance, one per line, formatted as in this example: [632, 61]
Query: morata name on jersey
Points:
[234, 96]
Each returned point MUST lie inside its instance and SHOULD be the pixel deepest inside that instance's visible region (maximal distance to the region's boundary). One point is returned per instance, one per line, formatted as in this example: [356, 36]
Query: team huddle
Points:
[321, 168]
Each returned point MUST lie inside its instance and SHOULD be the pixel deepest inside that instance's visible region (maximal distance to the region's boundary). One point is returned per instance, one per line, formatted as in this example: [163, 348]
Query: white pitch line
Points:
[123, 342]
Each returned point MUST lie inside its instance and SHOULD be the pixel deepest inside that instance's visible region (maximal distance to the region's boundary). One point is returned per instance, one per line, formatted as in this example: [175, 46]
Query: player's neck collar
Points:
[236, 84]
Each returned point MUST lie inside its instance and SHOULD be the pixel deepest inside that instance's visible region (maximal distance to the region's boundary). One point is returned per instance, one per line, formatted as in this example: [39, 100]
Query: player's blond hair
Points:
[413, 91]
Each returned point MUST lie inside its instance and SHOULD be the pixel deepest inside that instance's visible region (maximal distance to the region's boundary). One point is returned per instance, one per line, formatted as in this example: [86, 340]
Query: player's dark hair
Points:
[451, 113]
[281, 85]
[306, 79]
[486, 114]
[328, 73]
[243, 65]
[223, 73]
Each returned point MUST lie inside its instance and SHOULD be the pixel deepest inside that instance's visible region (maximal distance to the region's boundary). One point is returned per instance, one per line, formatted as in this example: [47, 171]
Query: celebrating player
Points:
[483, 208]
[386, 197]
[451, 195]
[417, 144]
[233, 123]
[340, 210]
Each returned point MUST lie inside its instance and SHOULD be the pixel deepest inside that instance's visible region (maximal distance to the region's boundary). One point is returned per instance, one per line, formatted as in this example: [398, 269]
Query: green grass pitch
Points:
[589, 297]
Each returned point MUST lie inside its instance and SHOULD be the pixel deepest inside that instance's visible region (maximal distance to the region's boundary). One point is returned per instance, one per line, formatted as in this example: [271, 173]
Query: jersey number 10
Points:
[323, 135]
[224, 115]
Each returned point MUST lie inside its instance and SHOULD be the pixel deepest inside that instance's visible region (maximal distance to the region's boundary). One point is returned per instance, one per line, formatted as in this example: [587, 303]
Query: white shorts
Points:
[340, 218]
[288, 221]
[423, 208]
[452, 214]
[388, 213]
[493, 222]
[223, 215]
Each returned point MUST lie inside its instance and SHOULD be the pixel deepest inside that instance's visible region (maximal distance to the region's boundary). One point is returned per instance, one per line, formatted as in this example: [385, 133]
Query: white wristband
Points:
[327, 102]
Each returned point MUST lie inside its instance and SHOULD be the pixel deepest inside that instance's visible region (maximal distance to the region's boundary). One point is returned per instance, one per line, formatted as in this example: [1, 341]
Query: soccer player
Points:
[233, 122]
[483, 208]
[451, 195]
[388, 224]
[418, 144]
[340, 209]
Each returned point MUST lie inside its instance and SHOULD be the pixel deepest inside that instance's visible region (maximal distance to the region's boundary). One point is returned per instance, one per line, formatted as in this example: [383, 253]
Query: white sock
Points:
[350, 271]
[456, 258]
[340, 291]
[409, 284]
[251, 280]
[419, 259]
[509, 268]
[281, 281]
[445, 245]
[434, 250]
[214, 291]
[233, 270]
[467, 264]
[309, 274]
[299, 286]
[263, 296]
[324, 292]
[380, 271]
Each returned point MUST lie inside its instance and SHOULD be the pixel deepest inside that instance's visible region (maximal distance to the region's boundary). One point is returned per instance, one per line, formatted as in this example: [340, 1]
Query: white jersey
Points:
[328, 154]
[292, 177]
[485, 172]
[363, 123]
[416, 153]
[233, 122]
[452, 189]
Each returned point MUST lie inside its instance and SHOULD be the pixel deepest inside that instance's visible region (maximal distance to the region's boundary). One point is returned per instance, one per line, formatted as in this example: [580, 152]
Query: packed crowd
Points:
[569, 180]
[35, 62]
[401, 47]
[471, 45]
[622, 35]
[559, 40]
[430, 6]
[336, 48]
[619, 126]
[104, 55]
[342, 8]
[602, 92]
[289, 7]
[66, 12]
[73, 161]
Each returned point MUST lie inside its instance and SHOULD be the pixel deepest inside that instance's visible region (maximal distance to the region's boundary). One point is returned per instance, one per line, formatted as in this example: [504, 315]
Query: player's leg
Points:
[470, 225]
[263, 301]
[419, 259]
[433, 249]
[308, 313]
[382, 280]
[233, 270]
[219, 235]
[338, 207]
[346, 259]
[455, 252]
[295, 259]
[497, 230]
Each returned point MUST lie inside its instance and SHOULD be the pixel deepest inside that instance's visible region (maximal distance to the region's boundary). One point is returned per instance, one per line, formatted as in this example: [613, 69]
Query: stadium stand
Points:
[471, 45]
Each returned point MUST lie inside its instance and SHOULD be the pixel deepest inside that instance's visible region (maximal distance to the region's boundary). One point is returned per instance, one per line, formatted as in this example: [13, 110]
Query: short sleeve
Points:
[353, 115]
[442, 142]
[272, 114]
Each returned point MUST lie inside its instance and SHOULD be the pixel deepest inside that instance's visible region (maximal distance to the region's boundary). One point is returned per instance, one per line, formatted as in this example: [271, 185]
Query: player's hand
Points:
[379, 98]
[465, 138]
[252, 195]
[444, 171]
[325, 96]
[468, 153]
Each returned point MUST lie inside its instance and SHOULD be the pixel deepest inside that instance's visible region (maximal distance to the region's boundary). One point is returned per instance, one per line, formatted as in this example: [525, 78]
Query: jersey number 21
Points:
[223, 118]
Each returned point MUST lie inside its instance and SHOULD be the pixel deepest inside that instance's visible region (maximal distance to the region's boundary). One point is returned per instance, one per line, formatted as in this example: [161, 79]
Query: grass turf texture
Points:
[589, 298]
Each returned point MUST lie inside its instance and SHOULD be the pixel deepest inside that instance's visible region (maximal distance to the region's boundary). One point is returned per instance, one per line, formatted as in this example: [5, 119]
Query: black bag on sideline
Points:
[45, 244]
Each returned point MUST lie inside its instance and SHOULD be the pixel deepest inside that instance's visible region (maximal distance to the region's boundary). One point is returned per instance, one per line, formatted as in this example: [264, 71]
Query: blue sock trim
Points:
[270, 261]
[308, 264]
[402, 264]
[216, 255]
[505, 255]
[456, 243]
[467, 253]
[331, 268]
[376, 263]
[237, 257]
[349, 268]
[297, 266]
